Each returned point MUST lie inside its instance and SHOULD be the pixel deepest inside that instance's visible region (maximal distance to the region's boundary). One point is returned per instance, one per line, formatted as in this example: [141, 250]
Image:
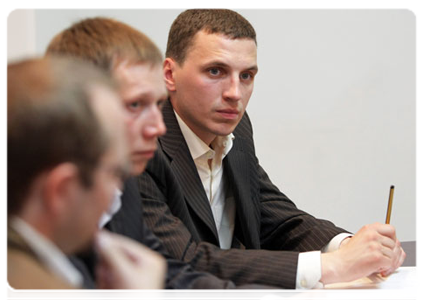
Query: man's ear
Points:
[60, 187]
[168, 71]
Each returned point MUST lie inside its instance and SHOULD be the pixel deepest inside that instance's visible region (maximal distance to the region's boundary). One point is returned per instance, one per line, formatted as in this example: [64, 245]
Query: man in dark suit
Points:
[206, 196]
[57, 190]
[136, 64]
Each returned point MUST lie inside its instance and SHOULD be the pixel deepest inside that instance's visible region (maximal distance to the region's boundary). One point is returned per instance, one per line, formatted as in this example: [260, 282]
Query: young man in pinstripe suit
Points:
[206, 196]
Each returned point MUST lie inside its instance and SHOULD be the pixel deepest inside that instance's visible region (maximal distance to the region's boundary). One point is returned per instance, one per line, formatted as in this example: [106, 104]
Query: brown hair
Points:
[189, 22]
[50, 121]
[102, 41]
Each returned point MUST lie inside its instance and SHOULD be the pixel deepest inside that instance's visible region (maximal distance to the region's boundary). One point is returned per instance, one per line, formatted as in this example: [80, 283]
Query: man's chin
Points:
[224, 131]
[138, 168]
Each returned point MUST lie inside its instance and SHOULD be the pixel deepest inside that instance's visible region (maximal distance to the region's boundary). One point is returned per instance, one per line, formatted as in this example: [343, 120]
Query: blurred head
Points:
[211, 62]
[136, 63]
[63, 156]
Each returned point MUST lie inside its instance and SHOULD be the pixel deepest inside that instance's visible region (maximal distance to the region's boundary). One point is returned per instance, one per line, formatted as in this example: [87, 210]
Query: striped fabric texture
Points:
[270, 230]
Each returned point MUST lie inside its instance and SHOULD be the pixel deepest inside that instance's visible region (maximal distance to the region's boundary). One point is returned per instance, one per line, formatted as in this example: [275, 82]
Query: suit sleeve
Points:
[283, 225]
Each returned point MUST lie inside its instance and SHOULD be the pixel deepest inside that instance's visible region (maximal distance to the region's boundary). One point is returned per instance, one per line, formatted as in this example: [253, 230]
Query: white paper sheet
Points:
[404, 283]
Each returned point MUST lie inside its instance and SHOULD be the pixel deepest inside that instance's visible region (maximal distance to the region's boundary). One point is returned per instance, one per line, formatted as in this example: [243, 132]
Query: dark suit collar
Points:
[184, 169]
[129, 194]
[237, 166]
[173, 140]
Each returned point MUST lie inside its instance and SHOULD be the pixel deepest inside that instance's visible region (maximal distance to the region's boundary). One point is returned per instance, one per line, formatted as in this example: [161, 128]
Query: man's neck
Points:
[206, 137]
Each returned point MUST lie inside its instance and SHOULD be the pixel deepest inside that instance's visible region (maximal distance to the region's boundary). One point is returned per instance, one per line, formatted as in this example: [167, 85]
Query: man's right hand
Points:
[126, 264]
[373, 249]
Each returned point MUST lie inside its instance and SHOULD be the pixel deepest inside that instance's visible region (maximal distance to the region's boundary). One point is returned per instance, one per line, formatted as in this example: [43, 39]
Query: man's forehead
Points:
[140, 80]
[216, 36]
[219, 49]
[125, 69]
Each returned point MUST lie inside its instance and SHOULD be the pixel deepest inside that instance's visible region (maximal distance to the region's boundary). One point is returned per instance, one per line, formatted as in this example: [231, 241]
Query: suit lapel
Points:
[127, 220]
[116, 224]
[184, 169]
[238, 169]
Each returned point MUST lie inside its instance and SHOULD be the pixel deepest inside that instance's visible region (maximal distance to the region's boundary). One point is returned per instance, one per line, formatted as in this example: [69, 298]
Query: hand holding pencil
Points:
[373, 249]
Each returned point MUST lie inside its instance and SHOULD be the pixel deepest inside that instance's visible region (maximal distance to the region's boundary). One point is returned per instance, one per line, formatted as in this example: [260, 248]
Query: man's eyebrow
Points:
[142, 97]
[253, 68]
[216, 63]
[224, 65]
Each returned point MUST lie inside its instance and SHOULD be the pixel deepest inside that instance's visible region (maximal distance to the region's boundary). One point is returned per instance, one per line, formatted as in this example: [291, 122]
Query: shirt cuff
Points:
[271, 297]
[336, 242]
[309, 270]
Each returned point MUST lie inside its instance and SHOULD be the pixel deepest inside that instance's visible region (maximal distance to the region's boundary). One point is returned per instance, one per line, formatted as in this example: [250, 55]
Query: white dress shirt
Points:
[51, 256]
[210, 169]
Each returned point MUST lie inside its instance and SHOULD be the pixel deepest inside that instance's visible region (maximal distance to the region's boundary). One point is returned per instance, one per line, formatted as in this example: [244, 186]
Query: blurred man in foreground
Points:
[66, 147]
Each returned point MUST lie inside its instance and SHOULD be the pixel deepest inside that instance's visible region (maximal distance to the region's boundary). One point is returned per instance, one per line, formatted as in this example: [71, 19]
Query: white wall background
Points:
[21, 34]
[333, 108]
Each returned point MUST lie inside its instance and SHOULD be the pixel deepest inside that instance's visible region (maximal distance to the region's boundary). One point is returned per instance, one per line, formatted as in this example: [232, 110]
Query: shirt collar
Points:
[113, 209]
[52, 257]
[197, 147]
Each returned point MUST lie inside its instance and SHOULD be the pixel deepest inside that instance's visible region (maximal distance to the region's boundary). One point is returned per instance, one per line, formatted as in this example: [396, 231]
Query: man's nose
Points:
[233, 90]
[155, 126]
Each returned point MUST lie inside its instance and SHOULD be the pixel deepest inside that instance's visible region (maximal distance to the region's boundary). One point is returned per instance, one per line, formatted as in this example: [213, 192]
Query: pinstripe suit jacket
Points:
[177, 210]
[182, 282]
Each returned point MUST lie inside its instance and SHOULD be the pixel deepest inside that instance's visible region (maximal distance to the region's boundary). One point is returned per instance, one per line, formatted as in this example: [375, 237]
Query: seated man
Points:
[66, 143]
[136, 64]
[205, 194]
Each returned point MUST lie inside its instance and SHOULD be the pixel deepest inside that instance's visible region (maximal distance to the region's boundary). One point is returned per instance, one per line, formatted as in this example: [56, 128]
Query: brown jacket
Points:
[25, 270]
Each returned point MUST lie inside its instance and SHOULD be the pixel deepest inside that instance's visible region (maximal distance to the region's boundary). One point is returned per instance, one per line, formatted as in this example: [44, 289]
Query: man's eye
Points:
[134, 104]
[214, 71]
[246, 76]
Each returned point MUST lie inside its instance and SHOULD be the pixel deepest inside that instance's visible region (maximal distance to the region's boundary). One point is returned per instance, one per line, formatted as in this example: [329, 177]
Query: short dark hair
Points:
[189, 22]
[50, 121]
[104, 40]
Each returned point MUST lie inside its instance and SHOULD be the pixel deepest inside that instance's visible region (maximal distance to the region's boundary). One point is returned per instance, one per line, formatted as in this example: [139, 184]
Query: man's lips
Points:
[144, 153]
[228, 113]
